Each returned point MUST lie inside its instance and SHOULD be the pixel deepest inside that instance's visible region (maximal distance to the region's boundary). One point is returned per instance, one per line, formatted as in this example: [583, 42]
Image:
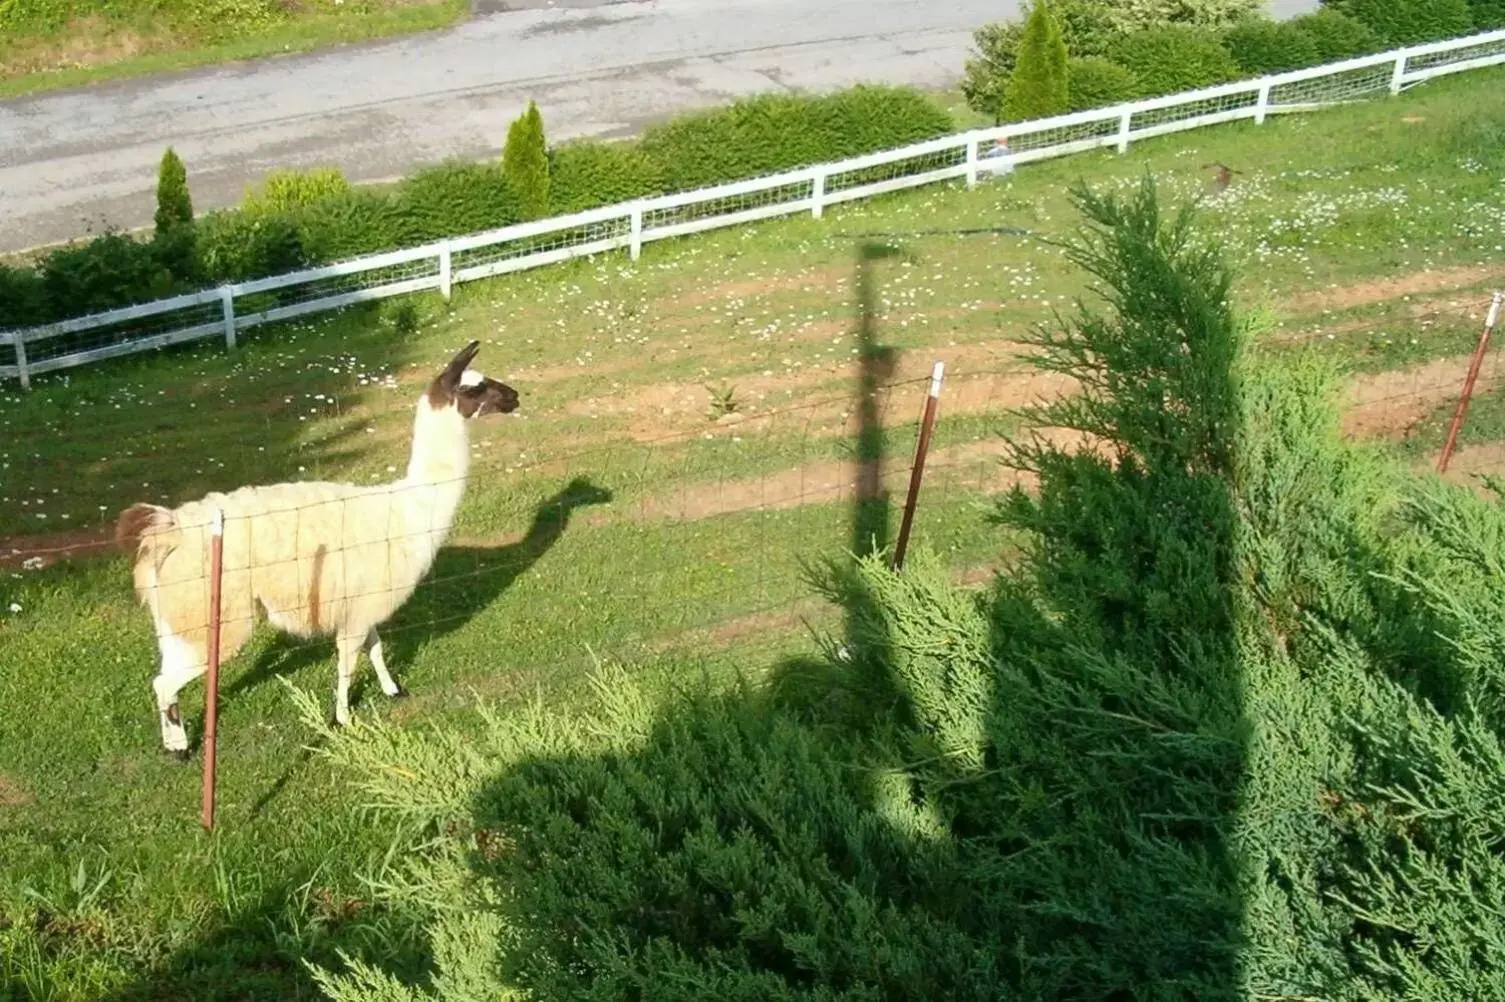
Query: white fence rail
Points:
[225, 311]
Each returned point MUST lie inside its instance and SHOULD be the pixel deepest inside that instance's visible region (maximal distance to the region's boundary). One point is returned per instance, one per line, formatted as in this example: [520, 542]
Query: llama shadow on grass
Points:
[462, 582]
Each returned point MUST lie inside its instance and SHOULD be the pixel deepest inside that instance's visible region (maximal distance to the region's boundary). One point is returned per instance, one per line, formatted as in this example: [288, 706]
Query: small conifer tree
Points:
[1038, 86]
[174, 207]
[525, 164]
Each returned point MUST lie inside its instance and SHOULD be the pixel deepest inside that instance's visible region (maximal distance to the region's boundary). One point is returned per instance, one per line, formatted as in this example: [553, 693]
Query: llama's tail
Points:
[149, 532]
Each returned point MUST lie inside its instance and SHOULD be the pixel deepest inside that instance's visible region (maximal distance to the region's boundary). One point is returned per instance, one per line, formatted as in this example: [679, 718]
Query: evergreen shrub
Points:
[1336, 36]
[585, 174]
[1174, 58]
[1095, 82]
[1262, 47]
[1037, 88]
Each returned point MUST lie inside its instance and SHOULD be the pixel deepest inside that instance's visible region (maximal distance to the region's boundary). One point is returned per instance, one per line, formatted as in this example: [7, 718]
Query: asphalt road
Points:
[76, 161]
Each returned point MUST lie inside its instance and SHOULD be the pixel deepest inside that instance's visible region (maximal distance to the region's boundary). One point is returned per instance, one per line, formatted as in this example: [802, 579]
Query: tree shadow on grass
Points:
[1047, 809]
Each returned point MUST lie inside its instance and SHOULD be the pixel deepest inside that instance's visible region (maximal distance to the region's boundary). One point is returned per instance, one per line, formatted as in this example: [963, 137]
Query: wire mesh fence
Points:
[1442, 58]
[486, 256]
[721, 207]
[281, 298]
[1355, 84]
[123, 332]
[922, 167]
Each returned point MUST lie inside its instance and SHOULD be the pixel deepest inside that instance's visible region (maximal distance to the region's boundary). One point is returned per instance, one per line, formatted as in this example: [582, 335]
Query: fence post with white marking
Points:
[23, 371]
[818, 194]
[635, 235]
[446, 273]
[227, 313]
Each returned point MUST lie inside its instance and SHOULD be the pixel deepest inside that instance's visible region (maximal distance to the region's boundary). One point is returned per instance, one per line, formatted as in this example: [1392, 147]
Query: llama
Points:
[320, 559]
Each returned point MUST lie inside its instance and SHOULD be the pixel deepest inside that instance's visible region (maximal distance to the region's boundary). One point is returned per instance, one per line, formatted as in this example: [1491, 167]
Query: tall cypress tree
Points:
[174, 207]
[525, 164]
[1038, 88]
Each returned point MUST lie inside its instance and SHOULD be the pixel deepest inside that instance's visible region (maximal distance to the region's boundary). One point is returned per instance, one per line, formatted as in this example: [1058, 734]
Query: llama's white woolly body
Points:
[318, 558]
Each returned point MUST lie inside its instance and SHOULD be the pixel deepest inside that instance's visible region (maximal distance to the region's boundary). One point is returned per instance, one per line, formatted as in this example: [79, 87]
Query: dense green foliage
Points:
[296, 218]
[1037, 87]
[586, 173]
[292, 190]
[1094, 82]
[174, 206]
[525, 165]
[1228, 729]
[986, 73]
[1337, 36]
[1260, 47]
[775, 132]
[1487, 14]
[1408, 22]
[1174, 58]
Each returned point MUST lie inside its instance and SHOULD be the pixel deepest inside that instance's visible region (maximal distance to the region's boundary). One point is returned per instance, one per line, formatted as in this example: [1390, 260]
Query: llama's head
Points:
[467, 390]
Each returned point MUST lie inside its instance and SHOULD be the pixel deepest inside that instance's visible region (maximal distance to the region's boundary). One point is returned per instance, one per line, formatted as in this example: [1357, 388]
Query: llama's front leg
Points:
[174, 736]
[181, 664]
[349, 647]
[379, 662]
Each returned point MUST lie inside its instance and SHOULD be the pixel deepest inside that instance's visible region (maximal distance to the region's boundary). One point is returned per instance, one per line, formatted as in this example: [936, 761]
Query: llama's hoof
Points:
[401, 693]
[179, 754]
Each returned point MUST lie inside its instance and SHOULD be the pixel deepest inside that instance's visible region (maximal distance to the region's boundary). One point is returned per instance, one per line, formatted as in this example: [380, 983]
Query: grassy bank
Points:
[59, 44]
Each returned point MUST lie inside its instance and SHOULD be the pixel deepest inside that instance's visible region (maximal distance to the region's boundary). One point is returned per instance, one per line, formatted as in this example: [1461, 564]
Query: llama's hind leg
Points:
[348, 647]
[181, 664]
[379, 662]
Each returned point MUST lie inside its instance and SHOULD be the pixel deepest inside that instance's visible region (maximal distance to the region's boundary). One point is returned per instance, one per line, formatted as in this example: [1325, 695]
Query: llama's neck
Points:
[440, 459]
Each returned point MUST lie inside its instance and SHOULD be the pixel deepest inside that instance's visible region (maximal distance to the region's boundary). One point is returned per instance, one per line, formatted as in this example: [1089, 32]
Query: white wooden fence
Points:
[227, 310]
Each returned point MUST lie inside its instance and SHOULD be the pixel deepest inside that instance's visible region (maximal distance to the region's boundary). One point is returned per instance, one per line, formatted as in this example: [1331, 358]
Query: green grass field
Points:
[53, 44]
[1371, 233]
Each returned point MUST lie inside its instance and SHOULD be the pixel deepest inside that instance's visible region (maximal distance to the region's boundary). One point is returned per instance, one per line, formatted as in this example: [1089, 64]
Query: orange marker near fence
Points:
[1468, 382]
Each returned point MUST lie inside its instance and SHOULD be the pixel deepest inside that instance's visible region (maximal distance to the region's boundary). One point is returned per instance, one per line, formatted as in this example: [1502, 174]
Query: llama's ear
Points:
[458, 365]
[442, 390]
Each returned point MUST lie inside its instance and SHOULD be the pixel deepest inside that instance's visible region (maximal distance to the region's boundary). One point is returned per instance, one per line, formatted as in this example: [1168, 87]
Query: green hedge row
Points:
[300, 219]
[1109, 65]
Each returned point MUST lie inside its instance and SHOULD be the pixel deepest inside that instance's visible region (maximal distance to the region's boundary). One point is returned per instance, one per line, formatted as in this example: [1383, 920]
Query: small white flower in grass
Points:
[15, 607]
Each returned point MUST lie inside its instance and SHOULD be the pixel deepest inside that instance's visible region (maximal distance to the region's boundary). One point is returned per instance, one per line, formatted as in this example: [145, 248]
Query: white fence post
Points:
[1263, 107]
[1125, 122]
[227, 311]
[972, 144]
[23, 371]
[635, 236]
[1399, 74]
[818, 194]
[446, 263]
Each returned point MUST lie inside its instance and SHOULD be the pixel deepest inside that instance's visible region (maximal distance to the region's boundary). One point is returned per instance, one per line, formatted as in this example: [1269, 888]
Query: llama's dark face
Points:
[468, 391]
[479, 396]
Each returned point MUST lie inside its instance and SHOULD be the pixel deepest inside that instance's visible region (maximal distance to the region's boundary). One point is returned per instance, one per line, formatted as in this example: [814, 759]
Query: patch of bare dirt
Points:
[1391, 404]
[12, 794]
[44, 550]
[1469, 463]
[819, 483]
[1379, 290]
[979, 377]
